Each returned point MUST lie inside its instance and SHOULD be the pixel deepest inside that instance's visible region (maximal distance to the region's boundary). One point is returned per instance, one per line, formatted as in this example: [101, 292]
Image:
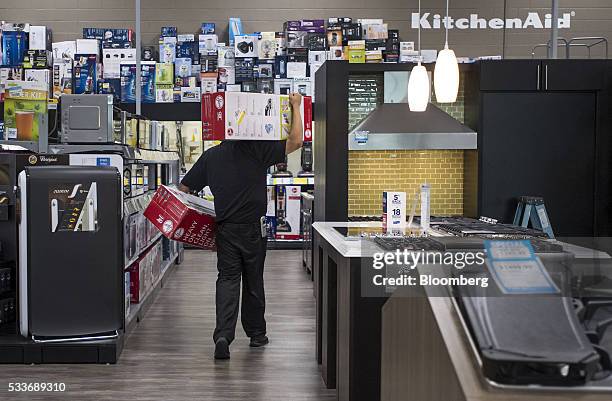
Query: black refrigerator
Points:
[70, 253]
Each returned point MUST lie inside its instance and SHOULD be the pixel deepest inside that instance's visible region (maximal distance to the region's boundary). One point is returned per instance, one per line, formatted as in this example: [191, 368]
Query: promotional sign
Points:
[394, 210]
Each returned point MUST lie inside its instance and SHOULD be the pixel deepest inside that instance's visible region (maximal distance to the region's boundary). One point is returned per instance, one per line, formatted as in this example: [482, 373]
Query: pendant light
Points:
[446, 72]
[418, 84]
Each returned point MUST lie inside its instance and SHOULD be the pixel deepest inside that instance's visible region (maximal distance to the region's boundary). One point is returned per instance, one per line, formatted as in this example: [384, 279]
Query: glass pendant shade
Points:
[418, 89]
[446, 76]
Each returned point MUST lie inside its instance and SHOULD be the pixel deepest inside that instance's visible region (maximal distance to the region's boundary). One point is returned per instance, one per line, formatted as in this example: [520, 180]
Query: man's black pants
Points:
[241, 252]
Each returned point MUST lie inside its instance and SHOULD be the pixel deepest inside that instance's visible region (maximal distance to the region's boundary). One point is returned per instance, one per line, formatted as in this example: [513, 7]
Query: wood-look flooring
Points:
[169, 355]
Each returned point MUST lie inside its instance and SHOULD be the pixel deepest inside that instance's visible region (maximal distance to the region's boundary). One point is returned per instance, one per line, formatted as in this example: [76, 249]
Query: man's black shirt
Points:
[236, 171]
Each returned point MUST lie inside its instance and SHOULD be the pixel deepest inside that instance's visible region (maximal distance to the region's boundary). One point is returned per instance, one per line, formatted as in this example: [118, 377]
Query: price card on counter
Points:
[516, 269]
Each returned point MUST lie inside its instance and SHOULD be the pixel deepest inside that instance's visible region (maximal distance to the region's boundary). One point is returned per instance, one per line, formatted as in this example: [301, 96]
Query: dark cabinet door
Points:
[510, 75]
[540, 144]
[573, 75]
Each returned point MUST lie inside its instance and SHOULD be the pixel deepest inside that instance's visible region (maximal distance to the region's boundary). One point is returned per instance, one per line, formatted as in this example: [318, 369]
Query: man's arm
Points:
[295, 138]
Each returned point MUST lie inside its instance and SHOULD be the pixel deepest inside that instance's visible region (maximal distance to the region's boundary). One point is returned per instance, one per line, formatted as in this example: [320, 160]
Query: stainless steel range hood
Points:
[392, 126]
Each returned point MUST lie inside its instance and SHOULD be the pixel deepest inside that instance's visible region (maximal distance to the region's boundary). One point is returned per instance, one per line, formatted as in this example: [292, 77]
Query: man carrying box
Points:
[236, 172]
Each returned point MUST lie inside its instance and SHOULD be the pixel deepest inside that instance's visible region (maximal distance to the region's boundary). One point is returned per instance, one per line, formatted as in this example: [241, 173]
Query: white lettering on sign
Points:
[533, 20]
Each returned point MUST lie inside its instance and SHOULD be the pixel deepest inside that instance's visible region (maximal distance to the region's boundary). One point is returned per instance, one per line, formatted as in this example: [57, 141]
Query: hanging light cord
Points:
[419, 31]
[446, 25]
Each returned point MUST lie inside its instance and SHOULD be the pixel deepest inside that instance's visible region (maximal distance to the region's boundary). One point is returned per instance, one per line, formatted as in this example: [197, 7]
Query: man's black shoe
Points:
[259, 341]
[222, 349]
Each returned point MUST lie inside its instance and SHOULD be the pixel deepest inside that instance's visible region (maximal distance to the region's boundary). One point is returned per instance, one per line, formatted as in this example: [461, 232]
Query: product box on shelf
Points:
[335, 53]
[25, 110]
[147, 84]
[356, 51]
[334, 35]
[283, 86]
[140, 271]
[280, 66]
[207, 43]
[249, 86]
[225, 56]
[297, 55]
[208, 82]
[182, 217]
[244, 69]
[233, 88]
[168, 31]
[64, 50]
[227, 76]
[164, 74]
[167, 49]
[264, 70]
[40, 38]
[246, 46]
[235, 29]
[14, 45]
[296, 69]
[37, 59]
[271, 211]
[87, 46]
[281, 43]
[126, 293]
[190, 94]
[254, 116]
[149, 53]
[42, 77]
[186, 47]
[85, 74]
[373, 56]
[207, 27]
[317, 56]
[62, 77]
[111, 38]
[267, 45]
[297, 39]
[288, 203]
[182, 67]
[112, 59]
[110, 86]
[208, 62]
[303, 86]
[351, 31]
[317, 41]
[164, 93]
[265, 85]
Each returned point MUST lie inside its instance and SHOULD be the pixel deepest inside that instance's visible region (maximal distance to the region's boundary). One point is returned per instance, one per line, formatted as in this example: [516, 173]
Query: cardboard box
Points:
[267, 45]
[167, 49]
[186, 47]
[147, 83]
[40, 38]
[335, 53]
[356, 51]
[288, 203]
[208, 43]
[25, 110]
[225, 56]
[208, 82]
[112, 59]
[246, 46]
[62, 77]
[164, 74]
[164, 93]
[110, 86]
[42, 77]
[254, 116]
[283, 86]
[87, 46]
[227, 76]
[190, 95]
[64, 50]
[85, 73]
[183, 217]
[393, 209]
[296, 70]
[37, 59]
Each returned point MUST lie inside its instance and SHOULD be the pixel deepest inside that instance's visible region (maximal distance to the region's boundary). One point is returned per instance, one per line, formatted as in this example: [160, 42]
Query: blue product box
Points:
[182, 67]
[111, 38]
[2, 131]
[208, 28]
[85, 74]
[168, 31]
[128, 83]
[188, 49]
[110, 86]
[14, 47]
[235, 29]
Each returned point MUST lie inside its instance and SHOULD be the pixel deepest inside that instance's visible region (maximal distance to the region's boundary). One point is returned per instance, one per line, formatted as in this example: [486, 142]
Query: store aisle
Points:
[169, 355]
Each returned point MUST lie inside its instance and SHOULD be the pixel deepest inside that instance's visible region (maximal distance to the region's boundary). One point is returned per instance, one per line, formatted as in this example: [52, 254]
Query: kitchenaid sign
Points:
[533, 20]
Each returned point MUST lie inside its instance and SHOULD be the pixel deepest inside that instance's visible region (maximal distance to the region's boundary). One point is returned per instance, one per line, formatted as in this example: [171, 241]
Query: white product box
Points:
[164, 93]
[167, 49]
[296, 70]
[283, 86]
[65, 49]
[186, 37]
[245, 46]
[233, 88]
[227, 75]
[208, 82]
[394, 209]
[112, 59]
[335, 53]
[62, 77]
[317, 56]
[38, 37]
[429, 55]
[42, 77]
[190, 95]
[406, 47]
[288, 202]
[225, 56]
[303, 86]
[207, 44]
[254, 116]
[267, 45]
[87, 46]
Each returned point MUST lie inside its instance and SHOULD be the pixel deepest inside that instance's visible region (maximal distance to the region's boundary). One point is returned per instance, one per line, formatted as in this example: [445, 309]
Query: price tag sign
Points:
[517, 270]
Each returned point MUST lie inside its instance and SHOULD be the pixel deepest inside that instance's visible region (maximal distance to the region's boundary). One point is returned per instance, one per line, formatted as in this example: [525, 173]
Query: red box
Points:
[182, 217]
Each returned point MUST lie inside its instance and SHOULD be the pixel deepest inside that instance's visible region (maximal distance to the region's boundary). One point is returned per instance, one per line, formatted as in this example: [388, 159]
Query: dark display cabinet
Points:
[543, 129]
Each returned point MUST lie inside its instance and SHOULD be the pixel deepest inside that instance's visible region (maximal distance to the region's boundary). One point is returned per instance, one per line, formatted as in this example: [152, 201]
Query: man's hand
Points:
[295, 100]
[295, 138]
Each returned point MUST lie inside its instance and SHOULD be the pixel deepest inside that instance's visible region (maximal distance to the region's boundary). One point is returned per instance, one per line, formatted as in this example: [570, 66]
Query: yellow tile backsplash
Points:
[372, 172]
